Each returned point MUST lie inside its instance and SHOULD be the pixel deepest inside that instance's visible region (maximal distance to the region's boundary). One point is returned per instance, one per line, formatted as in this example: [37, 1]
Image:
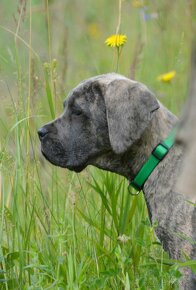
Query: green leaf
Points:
[93, 224]
[49, 95]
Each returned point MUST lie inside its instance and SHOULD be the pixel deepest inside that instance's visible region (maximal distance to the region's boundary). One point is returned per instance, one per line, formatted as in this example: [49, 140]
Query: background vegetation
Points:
[58, 229]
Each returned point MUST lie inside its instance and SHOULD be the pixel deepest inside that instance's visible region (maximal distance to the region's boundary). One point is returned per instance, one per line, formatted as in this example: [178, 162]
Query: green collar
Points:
[158, 154]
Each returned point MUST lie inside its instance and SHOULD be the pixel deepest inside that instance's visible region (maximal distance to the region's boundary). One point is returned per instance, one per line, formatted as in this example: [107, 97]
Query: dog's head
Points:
[103, 114]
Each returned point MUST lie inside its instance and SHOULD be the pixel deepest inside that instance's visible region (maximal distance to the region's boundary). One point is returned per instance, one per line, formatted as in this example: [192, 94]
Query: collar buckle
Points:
[160, 151]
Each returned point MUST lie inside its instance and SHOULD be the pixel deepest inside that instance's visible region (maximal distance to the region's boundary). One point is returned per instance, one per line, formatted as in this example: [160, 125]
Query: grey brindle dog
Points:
[114, 123]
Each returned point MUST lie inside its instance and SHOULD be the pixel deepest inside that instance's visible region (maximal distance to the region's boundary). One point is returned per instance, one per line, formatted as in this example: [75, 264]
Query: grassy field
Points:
[58, 229]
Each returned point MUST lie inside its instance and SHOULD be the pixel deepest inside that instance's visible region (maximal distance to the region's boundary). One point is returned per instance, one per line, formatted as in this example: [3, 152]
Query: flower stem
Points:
[118, 57]
[118, 31]
[119, 17]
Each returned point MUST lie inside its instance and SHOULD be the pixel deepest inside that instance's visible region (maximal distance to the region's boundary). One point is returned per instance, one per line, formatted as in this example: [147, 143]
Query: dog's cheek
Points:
[71, 136]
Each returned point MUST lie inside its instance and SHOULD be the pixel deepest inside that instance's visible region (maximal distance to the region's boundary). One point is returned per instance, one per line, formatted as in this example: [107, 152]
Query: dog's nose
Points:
[42, 132]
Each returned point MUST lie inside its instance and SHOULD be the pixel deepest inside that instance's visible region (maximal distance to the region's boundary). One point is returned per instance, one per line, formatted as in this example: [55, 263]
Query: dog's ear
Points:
[129, 108]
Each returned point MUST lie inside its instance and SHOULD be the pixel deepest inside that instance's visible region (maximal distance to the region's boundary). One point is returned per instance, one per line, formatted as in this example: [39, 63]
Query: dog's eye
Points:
[76, 111]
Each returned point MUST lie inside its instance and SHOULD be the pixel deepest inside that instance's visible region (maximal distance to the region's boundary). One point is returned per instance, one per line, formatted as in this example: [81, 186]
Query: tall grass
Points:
[61, 230]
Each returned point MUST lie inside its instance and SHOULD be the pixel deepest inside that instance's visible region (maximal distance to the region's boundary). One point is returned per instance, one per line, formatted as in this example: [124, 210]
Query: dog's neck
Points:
[159, 129]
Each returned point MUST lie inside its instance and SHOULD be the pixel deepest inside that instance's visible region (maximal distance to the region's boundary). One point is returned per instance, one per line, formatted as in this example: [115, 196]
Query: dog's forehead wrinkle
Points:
[72, 99]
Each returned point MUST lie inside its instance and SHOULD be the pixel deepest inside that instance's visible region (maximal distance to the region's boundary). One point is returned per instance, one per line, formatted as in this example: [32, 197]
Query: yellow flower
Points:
[138, 3]
[167, 77]
[116, 40]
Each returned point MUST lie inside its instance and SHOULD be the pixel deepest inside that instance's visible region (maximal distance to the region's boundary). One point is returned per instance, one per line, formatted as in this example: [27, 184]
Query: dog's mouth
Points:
[55, 153]
[61, 162]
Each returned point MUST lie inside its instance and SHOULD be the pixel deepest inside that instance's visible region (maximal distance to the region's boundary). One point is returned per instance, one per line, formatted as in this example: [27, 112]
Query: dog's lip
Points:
[76, 168]
[44, 154]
